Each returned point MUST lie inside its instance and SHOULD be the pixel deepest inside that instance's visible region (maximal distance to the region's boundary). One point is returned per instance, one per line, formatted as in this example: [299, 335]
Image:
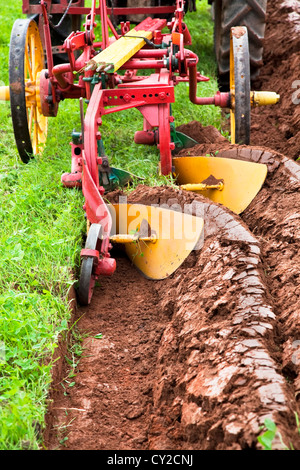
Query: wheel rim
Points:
[239, 81]
[25, 65]
[87, 278]
[86, 282]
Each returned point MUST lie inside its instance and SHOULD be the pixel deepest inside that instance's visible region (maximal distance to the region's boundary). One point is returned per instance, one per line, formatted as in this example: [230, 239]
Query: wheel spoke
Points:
[34, 131]
[42, 128]
[28, 69]
[32, 50]
[30, 118]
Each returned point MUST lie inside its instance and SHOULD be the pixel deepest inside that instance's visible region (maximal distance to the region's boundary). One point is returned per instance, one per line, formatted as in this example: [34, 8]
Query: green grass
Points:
[41, 232]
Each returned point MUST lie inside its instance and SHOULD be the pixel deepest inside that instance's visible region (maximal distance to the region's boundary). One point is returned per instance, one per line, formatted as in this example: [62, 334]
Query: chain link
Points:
[56, 26]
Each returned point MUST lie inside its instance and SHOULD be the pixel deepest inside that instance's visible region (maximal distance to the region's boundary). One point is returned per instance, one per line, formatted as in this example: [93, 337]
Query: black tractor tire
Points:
[229, 13]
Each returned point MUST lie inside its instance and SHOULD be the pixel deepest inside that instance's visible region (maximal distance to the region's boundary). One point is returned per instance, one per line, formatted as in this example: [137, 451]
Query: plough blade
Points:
[162, 248]
[241, 180]
[116, 178]
[181, 140]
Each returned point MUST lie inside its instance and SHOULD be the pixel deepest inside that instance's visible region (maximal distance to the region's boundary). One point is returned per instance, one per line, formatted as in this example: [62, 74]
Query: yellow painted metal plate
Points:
[120, 51]
[242, 180]
[177, 235]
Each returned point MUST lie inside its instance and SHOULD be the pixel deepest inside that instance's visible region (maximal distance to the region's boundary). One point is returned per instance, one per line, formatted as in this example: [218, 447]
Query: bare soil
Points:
[199, 360]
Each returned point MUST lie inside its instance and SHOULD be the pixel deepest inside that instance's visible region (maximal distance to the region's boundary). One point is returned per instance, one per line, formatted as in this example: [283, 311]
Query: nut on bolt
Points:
[127, 98]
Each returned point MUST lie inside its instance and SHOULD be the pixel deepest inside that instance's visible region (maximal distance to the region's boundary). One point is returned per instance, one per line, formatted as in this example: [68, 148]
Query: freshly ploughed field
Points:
[201, 359]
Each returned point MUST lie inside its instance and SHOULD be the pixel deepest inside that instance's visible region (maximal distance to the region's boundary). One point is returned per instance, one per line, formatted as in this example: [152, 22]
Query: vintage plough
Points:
[104, 72]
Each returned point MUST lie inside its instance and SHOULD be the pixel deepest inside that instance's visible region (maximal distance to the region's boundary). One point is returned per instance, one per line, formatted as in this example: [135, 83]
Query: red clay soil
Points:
[199, 360]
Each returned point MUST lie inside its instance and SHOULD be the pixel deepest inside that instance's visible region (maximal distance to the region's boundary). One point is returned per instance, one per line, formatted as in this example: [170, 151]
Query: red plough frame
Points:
[112, 92]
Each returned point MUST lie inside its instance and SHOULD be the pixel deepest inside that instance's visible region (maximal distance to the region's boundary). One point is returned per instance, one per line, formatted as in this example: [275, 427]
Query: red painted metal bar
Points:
[136, 64]
[47, 37]
[165, 145]
[138, 96]
[104, 24]
[112, 28]
[95, 207]
[90, 131]
[220, 99]
[59, 71]
[151, 53]
[90, 24]
[80, 10]
[27, 8]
